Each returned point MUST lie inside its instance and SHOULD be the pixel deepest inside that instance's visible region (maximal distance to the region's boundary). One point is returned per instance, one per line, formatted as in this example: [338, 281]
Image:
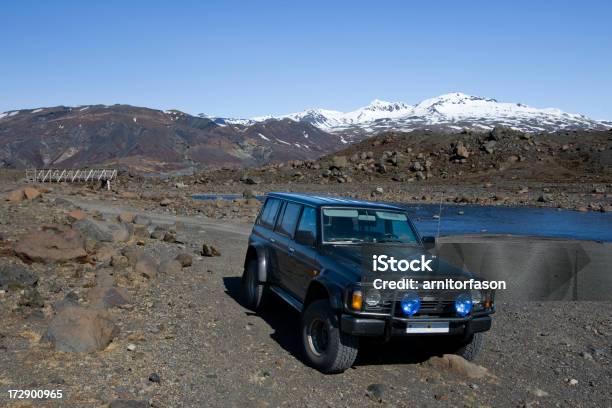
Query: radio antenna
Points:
[439, 216]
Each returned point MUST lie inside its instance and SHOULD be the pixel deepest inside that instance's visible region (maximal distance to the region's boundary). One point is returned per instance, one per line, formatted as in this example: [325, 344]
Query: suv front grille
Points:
[440, 304]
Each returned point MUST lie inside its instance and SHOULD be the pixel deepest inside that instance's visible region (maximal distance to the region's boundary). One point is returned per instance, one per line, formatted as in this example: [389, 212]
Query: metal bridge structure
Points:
[102, 176]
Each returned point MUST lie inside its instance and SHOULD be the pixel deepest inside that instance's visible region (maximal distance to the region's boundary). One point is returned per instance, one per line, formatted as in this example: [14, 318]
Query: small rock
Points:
[376, 392]
[251, 180]
[572, 381]
[170, 267]
[545, 198]
[76, 215]
[146, 266]
[154, 377]
[140, 231]
[538, 392]
[170, 237]
[142, 220]
[457, 365]
[210, 250]
[31, 298]
[126, 217]
[119, 261]
[31, 193]
[131, 347]
[165, 202]
[158, 232]
[185, 259]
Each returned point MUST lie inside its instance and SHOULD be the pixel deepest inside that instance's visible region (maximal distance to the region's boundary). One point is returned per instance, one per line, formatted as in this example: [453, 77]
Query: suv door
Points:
[284, 229]
[303, 252]
[264, 230]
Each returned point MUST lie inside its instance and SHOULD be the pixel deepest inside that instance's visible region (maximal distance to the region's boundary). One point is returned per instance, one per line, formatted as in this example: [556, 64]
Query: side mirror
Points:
[429, 242]
[305, 238]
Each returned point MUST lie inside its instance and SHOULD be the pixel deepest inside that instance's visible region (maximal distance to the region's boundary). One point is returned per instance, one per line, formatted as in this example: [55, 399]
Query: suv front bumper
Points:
[361, 326]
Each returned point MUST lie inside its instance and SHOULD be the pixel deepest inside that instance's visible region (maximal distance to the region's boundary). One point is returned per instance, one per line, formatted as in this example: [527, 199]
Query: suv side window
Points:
[268, 214]
[308, 222]
[286, 224]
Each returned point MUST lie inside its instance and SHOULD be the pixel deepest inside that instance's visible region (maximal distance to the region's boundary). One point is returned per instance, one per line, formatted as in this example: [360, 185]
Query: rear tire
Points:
[252, 290]
[470, 349]
[325, 346]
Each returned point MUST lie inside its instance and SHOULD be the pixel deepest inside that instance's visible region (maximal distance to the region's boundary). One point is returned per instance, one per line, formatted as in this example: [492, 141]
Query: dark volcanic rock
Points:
[209, 250]
[16, 275]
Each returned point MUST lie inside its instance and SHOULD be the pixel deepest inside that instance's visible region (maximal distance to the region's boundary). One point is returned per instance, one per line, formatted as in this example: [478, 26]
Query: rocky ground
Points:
[130, 298]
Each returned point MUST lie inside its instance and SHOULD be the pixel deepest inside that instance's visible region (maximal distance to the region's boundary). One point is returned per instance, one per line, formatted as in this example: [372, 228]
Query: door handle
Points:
[272, 240]
[291, 250]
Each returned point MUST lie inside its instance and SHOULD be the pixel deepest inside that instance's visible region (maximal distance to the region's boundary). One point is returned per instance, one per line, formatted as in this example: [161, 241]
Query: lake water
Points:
[474, 219]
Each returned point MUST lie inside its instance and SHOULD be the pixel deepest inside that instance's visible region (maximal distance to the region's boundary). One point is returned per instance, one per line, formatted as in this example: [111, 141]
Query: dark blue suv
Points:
[309, 250]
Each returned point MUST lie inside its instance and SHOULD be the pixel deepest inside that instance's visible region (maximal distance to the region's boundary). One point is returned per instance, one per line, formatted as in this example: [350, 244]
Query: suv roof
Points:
[324, 200]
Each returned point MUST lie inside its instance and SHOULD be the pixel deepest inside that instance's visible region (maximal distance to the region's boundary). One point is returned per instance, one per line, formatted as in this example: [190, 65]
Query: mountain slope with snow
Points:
[449, 112]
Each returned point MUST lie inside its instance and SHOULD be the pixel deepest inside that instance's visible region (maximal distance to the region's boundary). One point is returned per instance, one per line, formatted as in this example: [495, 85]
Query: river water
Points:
[475, 219]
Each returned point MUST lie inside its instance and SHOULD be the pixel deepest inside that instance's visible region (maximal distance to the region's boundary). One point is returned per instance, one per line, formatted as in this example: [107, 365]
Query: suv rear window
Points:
[268, 214]
[286, 225]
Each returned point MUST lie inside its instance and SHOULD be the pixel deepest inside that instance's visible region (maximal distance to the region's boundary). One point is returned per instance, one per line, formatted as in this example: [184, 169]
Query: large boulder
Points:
[52, 243]
[78, 329]
[16, 276]
[102, 231]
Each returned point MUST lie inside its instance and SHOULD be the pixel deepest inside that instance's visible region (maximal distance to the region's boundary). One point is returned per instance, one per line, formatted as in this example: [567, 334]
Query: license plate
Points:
[435, 327]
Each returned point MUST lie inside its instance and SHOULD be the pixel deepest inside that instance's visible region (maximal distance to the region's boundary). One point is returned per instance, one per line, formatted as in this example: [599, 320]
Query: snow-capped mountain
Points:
[450, 112]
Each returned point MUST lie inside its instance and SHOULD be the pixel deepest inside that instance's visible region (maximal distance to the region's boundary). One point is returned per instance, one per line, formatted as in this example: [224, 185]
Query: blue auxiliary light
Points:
[463, 305]
[410, 303]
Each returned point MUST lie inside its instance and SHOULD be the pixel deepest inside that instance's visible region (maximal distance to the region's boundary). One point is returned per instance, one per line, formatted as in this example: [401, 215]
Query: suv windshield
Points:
[356, 225]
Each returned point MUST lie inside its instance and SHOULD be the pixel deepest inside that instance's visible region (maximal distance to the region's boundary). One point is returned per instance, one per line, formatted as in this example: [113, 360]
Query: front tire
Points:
[471, 348]
[325, 346]
[252, 290]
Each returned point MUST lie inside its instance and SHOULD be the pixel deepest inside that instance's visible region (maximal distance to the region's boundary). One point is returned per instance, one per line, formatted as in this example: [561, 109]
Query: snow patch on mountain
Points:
[452, 112]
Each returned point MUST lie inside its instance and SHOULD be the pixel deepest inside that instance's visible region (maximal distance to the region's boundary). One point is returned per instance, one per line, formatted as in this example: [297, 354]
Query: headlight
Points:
[477, 297]
[463, 305]
[372, 298]
[410, 303]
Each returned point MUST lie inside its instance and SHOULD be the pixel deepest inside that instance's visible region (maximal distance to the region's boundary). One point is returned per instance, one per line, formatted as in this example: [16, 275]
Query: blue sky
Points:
[253, 57]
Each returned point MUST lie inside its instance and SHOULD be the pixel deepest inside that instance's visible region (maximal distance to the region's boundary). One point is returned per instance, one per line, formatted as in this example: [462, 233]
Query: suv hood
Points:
[352, 256]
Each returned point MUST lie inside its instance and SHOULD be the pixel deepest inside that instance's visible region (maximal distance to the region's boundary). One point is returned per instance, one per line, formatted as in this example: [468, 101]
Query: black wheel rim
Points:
[318, 337]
